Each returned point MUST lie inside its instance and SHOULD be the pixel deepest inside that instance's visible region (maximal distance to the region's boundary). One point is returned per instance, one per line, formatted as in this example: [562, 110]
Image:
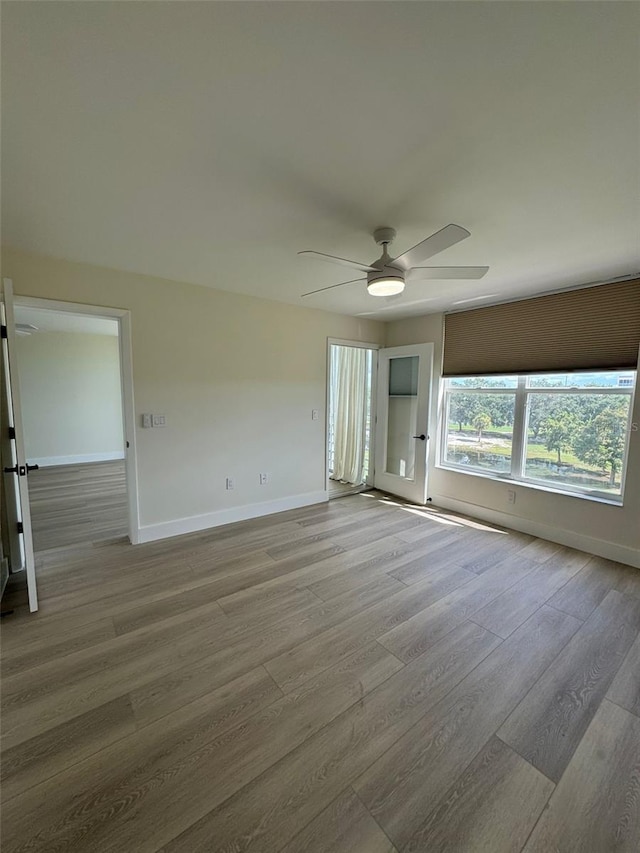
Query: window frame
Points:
[522, 394]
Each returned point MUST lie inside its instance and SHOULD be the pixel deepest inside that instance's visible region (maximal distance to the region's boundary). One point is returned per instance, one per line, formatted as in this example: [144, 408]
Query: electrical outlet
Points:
[264, 479]
[315, 414]
[231, 484]
[511, 496]
[147, 421]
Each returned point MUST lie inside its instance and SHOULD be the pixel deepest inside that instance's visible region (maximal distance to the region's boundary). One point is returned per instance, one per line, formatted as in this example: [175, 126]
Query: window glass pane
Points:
[480, 431]
[610, 379]
[483, 382]
[577, 440]
[403, 376]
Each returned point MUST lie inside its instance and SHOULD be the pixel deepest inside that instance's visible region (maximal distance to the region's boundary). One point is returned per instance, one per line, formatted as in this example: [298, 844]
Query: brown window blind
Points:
[587, 329]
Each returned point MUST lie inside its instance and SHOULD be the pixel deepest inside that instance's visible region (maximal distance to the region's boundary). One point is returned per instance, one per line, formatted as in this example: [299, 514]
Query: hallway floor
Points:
[74, 504]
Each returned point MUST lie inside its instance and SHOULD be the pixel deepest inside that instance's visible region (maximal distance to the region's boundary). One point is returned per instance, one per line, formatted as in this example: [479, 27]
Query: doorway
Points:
[68, 415]
[72, 416]
[378, 414]
[351, 375]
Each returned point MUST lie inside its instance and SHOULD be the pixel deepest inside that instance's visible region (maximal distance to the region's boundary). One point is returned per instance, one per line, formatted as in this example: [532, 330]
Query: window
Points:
[566, 431]
[480, 417]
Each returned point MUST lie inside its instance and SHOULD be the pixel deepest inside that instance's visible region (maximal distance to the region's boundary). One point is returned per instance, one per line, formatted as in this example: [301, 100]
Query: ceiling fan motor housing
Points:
[384, 235]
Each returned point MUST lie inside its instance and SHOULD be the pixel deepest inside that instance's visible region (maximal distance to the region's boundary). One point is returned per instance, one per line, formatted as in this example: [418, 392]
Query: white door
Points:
[402, 429]
[14, 461]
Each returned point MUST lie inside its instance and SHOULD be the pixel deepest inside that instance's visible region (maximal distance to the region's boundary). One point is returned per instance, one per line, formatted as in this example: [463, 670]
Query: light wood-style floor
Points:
[336, 489]
[74, 504]
[354, 677]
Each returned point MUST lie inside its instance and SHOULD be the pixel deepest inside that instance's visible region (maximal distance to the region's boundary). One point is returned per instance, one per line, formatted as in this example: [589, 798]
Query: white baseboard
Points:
[78, 459]
[179, 526]
[600, 547]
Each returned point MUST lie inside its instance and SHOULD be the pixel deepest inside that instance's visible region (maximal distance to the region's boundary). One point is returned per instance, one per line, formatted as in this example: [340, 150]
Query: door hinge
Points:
[12, 433]
[4, 332]
[20, 527]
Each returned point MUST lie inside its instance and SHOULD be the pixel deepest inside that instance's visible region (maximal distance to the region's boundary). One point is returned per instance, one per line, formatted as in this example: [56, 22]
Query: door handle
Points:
[422, 437]
[21, 470]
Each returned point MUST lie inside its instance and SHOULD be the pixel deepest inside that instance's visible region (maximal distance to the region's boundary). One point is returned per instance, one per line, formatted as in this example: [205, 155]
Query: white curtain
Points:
[349, 381]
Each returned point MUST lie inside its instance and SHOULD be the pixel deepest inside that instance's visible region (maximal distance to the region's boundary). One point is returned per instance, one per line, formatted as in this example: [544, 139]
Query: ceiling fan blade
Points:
[320, 256]
[438, 242]
[331, 286]
[417, 273]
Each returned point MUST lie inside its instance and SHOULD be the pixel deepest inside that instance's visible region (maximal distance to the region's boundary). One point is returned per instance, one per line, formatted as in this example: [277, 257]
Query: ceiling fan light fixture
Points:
[386, 275]
[387, 286]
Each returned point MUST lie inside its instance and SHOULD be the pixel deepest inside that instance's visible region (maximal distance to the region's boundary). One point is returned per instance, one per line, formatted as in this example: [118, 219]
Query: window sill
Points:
[528, 484]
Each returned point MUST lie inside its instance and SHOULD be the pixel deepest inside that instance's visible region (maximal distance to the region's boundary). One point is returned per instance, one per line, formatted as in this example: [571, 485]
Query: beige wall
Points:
[593, 526]
[236, 377]
[70, 396]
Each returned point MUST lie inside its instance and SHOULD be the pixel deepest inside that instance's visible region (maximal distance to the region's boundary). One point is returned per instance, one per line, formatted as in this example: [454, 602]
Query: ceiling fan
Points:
[387, 275]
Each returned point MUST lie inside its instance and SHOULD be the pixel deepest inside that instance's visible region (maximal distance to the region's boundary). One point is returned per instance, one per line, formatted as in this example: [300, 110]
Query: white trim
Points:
[520, 435]
[180, 526]
[13, 379]
[129, 425]
[600, 547]
[78, 459]
[69, 307]
[123, 316]
[340, 342]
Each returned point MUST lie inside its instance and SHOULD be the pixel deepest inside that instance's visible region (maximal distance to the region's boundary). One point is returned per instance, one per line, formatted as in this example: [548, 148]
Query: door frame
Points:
[341, 342]
[12, 380]
[123, 318]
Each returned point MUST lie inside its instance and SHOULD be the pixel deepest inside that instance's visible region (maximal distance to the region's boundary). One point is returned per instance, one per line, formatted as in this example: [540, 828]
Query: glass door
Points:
[402, 433]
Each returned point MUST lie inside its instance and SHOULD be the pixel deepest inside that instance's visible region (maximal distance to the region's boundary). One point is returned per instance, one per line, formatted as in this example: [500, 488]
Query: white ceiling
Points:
[209, 142]
[46, 320]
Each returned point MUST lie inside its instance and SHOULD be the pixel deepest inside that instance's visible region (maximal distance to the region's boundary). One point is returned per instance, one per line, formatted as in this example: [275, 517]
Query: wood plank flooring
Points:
[75, 504]
[355, 677]
[337, 489]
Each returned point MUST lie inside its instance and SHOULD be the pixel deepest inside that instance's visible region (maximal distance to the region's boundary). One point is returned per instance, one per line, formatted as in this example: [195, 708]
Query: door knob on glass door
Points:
[422, 437]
